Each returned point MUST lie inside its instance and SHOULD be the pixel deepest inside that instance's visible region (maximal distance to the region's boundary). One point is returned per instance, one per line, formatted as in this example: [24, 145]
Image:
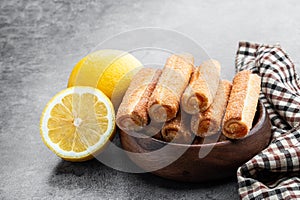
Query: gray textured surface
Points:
[40, 42]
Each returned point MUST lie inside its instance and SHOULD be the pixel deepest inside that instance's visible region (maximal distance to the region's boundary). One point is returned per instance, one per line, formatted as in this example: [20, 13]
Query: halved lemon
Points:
[77, 123]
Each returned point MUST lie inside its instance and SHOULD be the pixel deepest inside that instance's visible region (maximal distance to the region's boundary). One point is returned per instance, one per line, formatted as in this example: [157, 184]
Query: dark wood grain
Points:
[221, 162]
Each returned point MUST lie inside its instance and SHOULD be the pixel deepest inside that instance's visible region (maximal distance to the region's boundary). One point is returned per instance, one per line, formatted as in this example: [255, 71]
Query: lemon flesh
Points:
[77, 123]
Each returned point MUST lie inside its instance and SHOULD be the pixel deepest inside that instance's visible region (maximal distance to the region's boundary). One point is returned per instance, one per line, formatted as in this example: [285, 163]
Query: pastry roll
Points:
[177, 130]
[200, 92]
[242, 104]
[164, 101]
[209, 122]
[132, 114]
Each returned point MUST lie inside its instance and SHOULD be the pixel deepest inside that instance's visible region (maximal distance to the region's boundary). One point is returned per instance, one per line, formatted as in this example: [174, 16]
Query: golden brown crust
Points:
[200, 92]
[242, 104]
[252, 99]
[209, 122]
[132, 113]
[238, 94]
[164, 101]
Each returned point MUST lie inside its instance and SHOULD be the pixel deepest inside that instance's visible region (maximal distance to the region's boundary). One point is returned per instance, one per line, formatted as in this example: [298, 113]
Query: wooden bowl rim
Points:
[261, 119]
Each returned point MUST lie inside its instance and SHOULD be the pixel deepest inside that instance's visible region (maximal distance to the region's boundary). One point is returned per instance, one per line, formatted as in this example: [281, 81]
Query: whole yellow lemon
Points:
[110, 71]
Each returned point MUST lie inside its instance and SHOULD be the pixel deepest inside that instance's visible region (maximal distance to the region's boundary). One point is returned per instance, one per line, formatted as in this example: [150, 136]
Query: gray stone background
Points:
[41, 41]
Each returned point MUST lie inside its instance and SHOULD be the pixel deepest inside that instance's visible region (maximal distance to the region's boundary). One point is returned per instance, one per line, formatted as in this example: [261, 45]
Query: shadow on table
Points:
[94, 174]
[178, 185]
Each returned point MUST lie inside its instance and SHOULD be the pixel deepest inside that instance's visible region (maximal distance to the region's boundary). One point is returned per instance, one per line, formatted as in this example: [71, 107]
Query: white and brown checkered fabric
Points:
[275, 172]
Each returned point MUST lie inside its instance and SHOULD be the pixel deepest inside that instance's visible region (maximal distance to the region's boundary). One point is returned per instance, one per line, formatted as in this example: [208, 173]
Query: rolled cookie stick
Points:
[201, 91]
[164, 101]
[209, 122]
[132, 114]
[177, 130]
[242, 104]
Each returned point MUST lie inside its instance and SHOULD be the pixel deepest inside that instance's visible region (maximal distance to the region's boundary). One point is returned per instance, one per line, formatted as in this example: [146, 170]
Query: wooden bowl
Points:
[181, 161]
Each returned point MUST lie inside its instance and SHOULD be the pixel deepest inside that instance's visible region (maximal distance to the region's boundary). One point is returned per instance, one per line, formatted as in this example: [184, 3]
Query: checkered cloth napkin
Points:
[275, 172]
